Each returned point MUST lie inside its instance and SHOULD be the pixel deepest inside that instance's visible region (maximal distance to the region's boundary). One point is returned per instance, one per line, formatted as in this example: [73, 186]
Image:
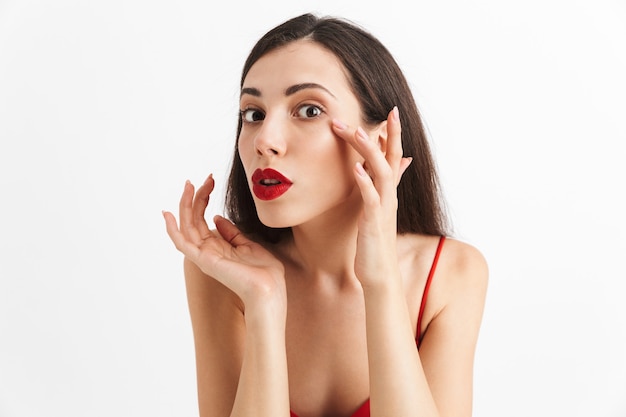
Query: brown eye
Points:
[309, 111]
[252, 115]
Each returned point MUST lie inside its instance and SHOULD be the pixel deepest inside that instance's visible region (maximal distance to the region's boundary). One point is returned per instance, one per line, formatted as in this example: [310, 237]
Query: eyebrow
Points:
[298, 87]
[251, 91]
[289, 91]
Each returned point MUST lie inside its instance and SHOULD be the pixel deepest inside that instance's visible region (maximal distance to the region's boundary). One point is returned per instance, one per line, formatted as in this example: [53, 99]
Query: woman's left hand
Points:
[377, 179]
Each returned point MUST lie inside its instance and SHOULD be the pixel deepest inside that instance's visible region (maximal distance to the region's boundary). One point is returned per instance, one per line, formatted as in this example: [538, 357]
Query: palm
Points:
[244, 266]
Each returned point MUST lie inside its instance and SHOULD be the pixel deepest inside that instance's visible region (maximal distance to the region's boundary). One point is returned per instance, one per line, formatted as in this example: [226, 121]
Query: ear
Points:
[380, 133]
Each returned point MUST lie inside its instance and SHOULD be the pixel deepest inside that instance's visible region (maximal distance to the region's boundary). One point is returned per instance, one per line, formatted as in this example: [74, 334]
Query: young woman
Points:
[335, 263]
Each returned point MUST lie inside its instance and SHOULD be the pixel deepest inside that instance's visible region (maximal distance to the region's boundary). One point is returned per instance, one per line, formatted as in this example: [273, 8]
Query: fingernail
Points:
[395, 113]
[360, 170]
[339, 124]
[209, 178]
[361, 133]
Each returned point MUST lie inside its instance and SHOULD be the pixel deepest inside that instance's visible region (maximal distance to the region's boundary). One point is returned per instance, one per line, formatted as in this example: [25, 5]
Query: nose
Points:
[270, 138]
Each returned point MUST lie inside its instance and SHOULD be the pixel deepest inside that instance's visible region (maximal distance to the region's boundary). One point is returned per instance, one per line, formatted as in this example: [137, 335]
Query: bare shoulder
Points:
[458, 260]
[464, 263]
[459, 280]
[462, 279]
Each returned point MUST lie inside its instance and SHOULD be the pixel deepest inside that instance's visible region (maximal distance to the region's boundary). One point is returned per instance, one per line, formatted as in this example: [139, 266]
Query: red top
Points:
[364, 410]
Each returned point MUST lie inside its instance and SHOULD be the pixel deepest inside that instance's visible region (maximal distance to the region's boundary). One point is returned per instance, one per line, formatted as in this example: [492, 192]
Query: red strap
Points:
[364, 410]
[427, 288]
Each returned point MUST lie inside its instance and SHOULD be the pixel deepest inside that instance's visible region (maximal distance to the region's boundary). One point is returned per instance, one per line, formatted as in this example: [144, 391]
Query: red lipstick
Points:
[269, 184]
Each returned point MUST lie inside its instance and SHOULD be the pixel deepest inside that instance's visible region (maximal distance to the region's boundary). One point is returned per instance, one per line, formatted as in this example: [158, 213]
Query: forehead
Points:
[302, 61]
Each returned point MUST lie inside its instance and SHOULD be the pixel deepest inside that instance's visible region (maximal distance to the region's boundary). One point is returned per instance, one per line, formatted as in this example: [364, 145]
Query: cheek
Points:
[245, 151]
[337, 163]
[345, 156]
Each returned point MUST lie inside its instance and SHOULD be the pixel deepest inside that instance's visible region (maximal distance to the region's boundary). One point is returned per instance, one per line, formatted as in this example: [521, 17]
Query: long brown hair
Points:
[379, 85]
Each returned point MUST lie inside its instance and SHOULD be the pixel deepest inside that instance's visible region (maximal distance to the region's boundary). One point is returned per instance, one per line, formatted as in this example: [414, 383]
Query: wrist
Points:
[384, 282]
[267, 312]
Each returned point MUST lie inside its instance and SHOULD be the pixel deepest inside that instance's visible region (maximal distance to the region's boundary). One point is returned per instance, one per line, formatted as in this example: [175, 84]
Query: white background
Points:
[107, 107]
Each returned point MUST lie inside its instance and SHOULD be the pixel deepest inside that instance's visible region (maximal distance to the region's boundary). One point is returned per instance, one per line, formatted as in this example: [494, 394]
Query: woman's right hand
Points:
[245, 267]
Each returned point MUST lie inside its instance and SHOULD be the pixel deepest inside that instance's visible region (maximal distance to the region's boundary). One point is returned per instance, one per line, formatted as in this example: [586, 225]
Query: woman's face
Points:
[297, 168]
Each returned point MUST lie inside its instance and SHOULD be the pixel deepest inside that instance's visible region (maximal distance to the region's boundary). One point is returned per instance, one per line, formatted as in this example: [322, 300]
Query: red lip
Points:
[264, 191]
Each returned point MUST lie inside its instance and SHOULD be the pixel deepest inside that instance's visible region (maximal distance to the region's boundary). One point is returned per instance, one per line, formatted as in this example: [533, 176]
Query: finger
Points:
[184, 207]
[369, 194]
[181, 243]
[374, 158]
[230, 232]
[200, 203]
[404, 164]
[394, 140]
[187, 226]
[376, 163]
[349, 134]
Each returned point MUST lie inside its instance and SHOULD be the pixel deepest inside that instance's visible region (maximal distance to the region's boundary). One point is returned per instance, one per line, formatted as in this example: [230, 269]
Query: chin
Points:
[275, 219]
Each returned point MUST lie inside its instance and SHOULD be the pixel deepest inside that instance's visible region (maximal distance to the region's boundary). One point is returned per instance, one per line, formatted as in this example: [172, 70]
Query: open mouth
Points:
[269, 184]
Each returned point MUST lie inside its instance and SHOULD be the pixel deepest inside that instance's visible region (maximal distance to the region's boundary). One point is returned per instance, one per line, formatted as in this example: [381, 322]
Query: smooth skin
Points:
[321, 322]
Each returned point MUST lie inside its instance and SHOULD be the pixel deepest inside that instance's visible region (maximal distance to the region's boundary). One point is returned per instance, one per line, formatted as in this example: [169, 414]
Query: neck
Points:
[325, 248]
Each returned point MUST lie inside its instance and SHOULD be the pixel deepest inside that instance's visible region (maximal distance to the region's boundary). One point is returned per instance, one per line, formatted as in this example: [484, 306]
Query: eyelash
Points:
[243, 112]
[316, 106]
